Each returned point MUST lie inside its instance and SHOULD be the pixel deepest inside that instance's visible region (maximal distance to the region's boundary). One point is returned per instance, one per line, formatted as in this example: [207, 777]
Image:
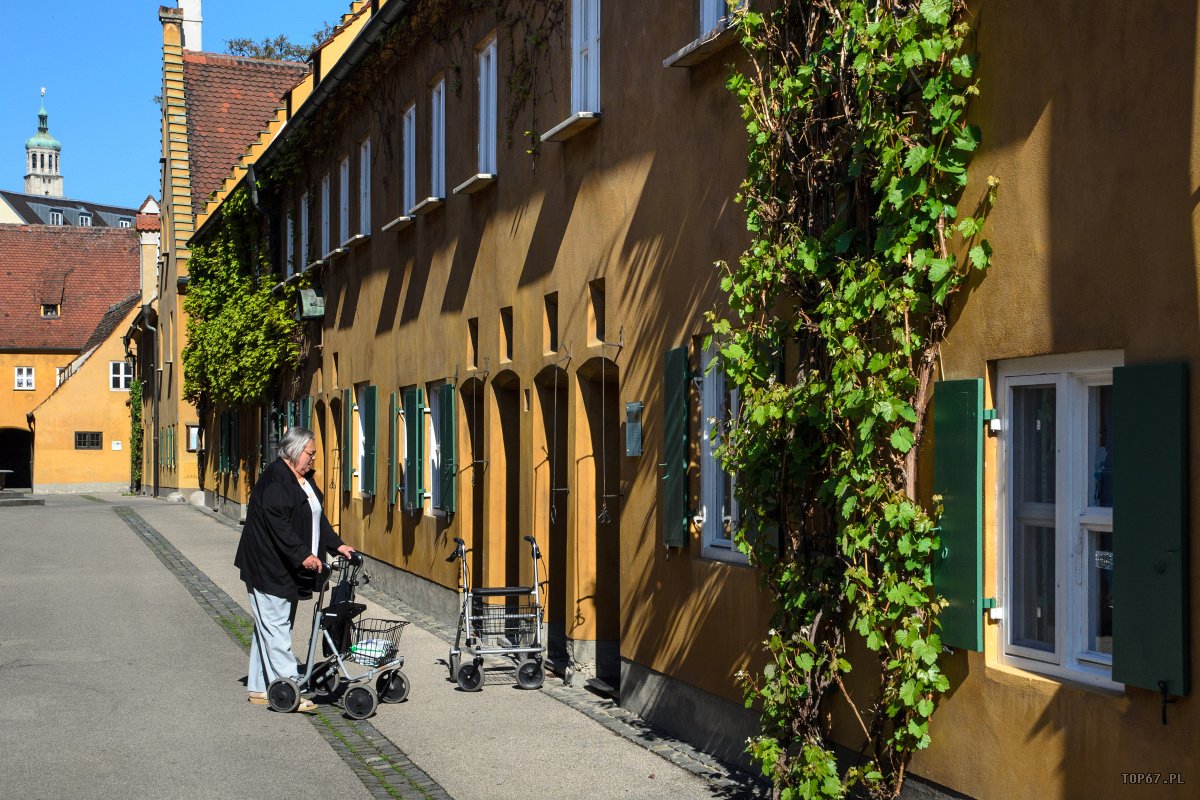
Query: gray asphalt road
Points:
[117, 685]
[120, 685]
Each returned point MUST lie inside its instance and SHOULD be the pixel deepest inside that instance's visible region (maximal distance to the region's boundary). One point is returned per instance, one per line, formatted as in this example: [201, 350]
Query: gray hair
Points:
[291, 446]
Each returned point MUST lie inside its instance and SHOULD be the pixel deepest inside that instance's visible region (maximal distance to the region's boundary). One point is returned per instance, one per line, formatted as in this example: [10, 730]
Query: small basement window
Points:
[87, 440]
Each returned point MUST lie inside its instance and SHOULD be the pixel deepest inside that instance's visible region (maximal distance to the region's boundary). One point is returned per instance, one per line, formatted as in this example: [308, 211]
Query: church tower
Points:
[42, 151]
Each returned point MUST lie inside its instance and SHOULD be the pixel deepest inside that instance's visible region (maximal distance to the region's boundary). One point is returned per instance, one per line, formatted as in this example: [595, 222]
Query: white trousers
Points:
[271, 654]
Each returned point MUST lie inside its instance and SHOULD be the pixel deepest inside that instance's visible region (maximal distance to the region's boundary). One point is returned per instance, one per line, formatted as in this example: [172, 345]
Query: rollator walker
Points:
[370, 643]
[495, 621]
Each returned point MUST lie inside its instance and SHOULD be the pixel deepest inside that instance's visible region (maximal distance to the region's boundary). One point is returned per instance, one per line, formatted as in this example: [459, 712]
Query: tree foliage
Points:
[240, 334]
[278, 48]
[135, 434]
[858, 153]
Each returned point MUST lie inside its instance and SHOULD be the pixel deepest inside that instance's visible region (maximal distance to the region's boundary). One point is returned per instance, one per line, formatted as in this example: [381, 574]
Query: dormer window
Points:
[124, 222]
[56, 216]
[49, 311]
[85, 220]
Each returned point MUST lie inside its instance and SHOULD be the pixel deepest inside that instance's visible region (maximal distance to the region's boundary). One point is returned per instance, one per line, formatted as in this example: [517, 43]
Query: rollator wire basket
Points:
[511, 620]
[375, 641]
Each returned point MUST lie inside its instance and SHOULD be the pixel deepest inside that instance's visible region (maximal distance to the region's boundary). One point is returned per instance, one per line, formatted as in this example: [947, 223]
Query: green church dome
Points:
[42, 138]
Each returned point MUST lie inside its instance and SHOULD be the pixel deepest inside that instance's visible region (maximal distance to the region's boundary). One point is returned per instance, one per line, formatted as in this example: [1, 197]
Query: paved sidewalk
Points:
[559, 742]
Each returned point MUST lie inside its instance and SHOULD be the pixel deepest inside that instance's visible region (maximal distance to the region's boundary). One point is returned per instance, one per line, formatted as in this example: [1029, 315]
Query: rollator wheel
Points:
[360, 701]
[454, 660]
[469, 676]
[392, 686]
[531, 674]
[326, 680]
[283, 695]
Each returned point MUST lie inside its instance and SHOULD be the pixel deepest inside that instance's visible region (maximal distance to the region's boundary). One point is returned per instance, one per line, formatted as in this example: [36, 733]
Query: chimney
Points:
[191, 24]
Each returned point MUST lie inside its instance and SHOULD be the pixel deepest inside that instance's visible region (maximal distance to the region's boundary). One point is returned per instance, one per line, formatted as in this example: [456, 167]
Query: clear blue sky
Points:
[101, 64]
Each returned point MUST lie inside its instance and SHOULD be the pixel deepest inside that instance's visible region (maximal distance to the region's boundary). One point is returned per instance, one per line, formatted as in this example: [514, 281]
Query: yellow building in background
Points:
[82, 429]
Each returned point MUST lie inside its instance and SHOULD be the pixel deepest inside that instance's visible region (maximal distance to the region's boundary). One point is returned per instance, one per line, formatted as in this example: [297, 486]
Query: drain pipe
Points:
[29, 419]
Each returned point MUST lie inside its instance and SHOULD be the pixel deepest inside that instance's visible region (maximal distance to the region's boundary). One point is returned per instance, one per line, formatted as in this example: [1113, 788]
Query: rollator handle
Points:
[460, 545]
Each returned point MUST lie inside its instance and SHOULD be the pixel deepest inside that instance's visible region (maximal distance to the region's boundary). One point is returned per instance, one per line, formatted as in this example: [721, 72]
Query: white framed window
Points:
[24, 379]
[124, 222]
[304, 213]
[437, 139]
[359, 444]
[715, 14]
[718, 515]
[344, 199]
[364, 187]
[56, 217]
[1056, 519]
[487, 108]
[289, 245]
[120, 375]
[85, 220]
[193, 438]
[409, 146]
[325, 221]
[585, 51]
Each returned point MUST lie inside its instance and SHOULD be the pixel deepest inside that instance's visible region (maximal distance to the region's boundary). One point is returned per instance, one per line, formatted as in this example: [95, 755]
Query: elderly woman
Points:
[283, 546]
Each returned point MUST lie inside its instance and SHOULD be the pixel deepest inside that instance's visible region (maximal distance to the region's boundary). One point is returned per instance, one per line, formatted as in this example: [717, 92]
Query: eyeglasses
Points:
[310, 453]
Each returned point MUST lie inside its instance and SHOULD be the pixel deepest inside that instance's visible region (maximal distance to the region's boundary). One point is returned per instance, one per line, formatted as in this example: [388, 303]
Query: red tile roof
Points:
[83, 270]
[147, 222]
[230, 99]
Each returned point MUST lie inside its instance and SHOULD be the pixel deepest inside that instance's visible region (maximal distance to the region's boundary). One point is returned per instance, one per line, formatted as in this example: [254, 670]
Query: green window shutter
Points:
[264, 437]
[958, 478]
[391, 449]
[235, 442]
[448, 445]
[1150, 527]
[347, 418]
[306, 413]
[223, 454]
[675, 448]
[367, 414]
[414, 451]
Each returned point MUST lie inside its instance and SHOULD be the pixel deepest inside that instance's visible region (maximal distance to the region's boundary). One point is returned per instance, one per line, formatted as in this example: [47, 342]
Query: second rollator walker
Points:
[495, 621]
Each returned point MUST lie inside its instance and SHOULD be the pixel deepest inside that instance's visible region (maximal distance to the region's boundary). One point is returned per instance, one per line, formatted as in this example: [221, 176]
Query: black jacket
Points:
[277, 536]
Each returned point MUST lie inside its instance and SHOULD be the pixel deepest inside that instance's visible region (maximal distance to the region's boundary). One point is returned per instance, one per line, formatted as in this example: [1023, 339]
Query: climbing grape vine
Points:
[861, 234]
[240, 334]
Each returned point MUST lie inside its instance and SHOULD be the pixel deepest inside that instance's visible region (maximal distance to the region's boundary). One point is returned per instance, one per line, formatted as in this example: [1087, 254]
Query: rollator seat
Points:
[345, 610]
[502, 591]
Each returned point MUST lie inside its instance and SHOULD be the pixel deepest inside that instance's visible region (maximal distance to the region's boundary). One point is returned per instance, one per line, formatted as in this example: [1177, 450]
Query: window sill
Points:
[703, 48]
[725, 555]
[357, 240]
[399, 223]
[475, 183]
[1083, 675]
[426, 206]
[579, 121]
